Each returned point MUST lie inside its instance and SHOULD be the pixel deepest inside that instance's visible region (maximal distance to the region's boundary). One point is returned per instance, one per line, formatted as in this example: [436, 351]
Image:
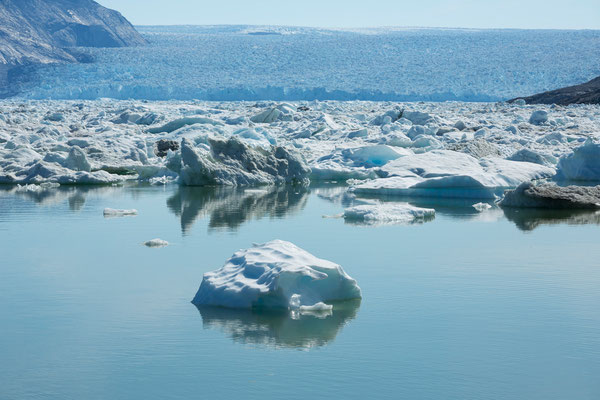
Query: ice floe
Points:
[111, 212]
[388, 213]
[276, 274]
[156, 243]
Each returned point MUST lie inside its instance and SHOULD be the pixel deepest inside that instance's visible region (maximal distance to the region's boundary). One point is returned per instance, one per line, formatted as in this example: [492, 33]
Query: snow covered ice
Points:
[276, 274]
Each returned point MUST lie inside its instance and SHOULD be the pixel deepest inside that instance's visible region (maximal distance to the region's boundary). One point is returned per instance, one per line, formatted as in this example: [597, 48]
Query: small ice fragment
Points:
[156, 243]
[481, 207]
[320, 306]
[111, 212]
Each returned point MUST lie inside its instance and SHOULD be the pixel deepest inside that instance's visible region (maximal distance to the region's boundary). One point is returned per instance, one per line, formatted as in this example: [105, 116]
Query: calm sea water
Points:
[467, 306]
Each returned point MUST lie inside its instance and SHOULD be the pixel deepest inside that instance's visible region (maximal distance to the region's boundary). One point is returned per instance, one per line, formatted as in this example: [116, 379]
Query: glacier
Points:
[228, 63]
[276, 275]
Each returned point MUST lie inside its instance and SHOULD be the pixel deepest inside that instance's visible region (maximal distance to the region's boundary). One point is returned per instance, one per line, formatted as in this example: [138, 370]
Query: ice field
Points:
[278, 63]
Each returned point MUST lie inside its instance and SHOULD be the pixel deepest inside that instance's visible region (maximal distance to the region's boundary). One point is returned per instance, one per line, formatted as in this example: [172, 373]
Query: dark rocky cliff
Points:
[586, 93]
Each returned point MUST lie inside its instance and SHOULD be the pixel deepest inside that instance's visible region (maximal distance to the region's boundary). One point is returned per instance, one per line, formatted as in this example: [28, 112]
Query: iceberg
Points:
[583, 164]
[446, 173]
[388, 213]
[275, 275]
[234, 163]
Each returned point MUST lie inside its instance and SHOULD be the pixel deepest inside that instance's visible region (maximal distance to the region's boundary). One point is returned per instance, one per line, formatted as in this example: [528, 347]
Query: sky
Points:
[528, 14]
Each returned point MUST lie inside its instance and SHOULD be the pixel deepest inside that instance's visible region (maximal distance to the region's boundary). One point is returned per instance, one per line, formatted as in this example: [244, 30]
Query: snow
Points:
[276, 274]
[185, 63]
[388, 213]
[156, 243]
[111, 212]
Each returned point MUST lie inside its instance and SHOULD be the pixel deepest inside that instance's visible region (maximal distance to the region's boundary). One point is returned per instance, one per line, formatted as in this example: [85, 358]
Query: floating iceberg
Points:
[235, 163]
[445, 173]
[581, 165]
[388, 213]
[276, 274]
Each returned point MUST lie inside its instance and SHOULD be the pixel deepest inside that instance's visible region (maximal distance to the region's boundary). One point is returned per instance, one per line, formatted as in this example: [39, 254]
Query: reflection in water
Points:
[75, 196]
[530, 219]
[280, 329]
[229, 208]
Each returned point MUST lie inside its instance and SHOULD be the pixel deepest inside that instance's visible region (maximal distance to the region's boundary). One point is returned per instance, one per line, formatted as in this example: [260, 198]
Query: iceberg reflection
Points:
[229, 208]
[280, 329]
[530, 219]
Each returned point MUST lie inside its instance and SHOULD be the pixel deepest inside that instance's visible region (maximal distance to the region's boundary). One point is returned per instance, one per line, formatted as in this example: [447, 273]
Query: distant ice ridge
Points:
[276, 274]
[185, 63]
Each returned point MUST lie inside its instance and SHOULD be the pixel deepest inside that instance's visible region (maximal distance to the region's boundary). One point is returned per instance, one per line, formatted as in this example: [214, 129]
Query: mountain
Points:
[586, 93]
[43, 31]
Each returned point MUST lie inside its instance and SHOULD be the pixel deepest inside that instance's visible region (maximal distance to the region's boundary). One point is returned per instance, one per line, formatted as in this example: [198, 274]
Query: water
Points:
[231, 63]
[468, 306]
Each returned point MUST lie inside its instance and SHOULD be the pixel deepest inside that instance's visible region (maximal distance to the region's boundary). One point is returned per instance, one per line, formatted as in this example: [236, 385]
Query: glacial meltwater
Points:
[468, 304]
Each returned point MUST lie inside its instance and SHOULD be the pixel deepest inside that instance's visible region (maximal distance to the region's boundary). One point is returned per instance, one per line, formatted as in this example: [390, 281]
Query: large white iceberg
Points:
[276, 274]
[445, 173]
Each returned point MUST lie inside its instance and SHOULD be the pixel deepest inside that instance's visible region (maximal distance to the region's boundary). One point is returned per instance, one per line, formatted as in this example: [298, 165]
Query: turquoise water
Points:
[467, 306]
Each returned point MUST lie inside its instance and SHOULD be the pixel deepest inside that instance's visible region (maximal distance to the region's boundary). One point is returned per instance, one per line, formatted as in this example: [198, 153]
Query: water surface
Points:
[468, 306]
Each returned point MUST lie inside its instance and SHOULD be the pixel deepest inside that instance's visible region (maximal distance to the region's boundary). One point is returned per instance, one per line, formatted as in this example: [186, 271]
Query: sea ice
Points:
[276, 274]
[156, 243]
[111, 212]
[388, 213]
[481, 207]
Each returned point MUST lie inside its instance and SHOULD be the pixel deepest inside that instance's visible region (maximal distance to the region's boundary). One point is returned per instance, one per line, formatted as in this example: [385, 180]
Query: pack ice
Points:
[453, 149]
[276, 274]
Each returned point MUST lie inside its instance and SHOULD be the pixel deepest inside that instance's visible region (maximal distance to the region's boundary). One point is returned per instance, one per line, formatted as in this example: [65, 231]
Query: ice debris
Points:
[276, 274]
[388, 213]
[111, 212]
[156, 243]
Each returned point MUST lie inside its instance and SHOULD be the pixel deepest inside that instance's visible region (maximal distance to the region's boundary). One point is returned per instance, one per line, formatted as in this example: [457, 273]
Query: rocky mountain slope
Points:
[42, 31]
[586, 93]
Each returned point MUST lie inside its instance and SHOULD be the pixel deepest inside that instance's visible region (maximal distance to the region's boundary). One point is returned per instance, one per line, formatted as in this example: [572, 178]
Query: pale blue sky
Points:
[556, 14]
